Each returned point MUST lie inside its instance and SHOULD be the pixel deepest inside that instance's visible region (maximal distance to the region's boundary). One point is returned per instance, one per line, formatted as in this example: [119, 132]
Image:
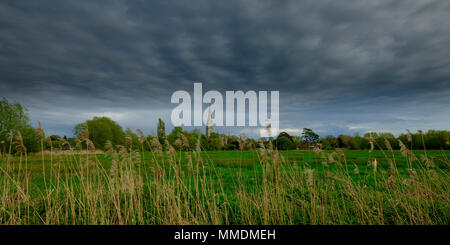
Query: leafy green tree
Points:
[284, 143]
[232, 143]
[193, 137]
[381, 140]
[174, 135]
[132, 139]
[72, 141]
[333, 141]
[437, 139]
[363, 142]
[149, 143]
[55, 142]
[215, 144]
[54, 137]
[328, 143]
[415, 143]
[204, 142]
[162, 133]
[346, 141]
[371, 134]
[14, 119]
[297, 141]
[102, 129]
[325, 144]
[309, 136]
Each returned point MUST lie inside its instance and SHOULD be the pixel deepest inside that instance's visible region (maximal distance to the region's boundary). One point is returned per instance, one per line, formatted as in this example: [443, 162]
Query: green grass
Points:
[227, 164]
[226, 187]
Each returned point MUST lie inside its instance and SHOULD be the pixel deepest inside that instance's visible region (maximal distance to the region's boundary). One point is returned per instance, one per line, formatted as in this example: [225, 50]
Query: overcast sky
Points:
[340, 66]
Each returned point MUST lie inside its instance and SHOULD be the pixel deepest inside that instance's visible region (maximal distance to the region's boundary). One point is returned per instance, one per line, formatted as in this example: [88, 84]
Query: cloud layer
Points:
[340, 67]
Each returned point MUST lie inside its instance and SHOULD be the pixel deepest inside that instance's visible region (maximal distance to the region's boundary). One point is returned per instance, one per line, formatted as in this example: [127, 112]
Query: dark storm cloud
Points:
[340, 66]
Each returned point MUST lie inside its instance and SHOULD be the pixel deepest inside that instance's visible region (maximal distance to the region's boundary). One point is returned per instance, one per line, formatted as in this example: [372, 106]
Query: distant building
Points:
[209, 124]
[286, 135]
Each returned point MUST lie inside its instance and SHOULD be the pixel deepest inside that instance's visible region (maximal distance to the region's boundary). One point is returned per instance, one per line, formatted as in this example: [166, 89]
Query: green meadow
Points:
[262, 186]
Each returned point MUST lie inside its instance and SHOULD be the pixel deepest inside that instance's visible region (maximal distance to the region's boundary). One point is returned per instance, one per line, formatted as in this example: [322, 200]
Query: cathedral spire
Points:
[209, 123]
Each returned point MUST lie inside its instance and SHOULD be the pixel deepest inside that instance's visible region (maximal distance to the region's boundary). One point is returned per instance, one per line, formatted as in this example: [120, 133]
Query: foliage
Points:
[309, 136]
[232, 143]
[132, 140]
[162, 136]
[215, 142]
[102, 129]
[348, 142]
[14, 119]
[284, 143]
[329, 143]
[174, 135]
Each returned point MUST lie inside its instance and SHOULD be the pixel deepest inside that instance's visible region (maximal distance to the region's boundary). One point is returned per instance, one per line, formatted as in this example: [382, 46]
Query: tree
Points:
[284, 143]
[174, 135]
[102, 129]
[232, 143]
[162, 133]
[437, 139]
[204, 142]
[54, 137]
[329, 143]
[381, 140]
[297, 141]
[309, 136]
[363, 142]
[14, 119]
[133, 139]
[348, 142]
[215, 144]
[55, 141]
[150, 143]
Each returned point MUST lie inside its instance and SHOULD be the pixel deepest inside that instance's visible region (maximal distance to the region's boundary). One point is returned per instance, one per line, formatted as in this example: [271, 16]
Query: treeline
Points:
[103, 129]
[17, 135]
[432, 139]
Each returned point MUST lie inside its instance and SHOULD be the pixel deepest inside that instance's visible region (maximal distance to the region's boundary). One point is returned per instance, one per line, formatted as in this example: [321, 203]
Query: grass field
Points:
[226, 187]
